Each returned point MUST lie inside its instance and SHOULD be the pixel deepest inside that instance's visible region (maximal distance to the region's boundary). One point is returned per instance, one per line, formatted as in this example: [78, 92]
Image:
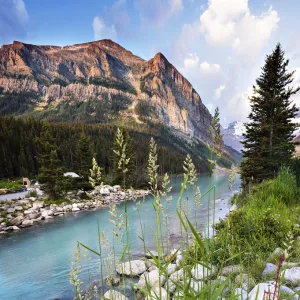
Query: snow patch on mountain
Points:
[233, 135]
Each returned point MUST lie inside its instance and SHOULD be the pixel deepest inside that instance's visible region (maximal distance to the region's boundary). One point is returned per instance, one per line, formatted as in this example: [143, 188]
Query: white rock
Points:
[157, 293]
[196, 285]
[11, 210]
[179, 258]
[269, 270]
[245, 281]
[200, 272]
[45, 213]
[74, 209]
[59, 209]
[104, 191]
[153, 278]
[18, 208]
[287, 291]
[260, 289]
[292, 276]
[177, 276]
[37, 204]
[114, 295]
[242, 294]
[14, 228]
[26, 223]
[135, 267]
[18, 220]
[171, 269]
[170, 286]
[235, 269]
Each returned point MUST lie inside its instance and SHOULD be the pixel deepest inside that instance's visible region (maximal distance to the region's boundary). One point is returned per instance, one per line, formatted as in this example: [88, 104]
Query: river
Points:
[35, 262]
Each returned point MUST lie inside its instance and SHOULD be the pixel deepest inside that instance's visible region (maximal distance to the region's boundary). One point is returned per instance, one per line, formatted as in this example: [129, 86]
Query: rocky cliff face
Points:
[89, 70]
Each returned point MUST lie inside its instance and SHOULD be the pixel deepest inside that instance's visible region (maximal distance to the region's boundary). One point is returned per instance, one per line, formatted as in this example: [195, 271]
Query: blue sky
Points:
[219, 45]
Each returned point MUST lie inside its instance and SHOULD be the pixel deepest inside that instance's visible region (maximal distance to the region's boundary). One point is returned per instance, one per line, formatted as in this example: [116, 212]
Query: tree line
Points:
[77, 143]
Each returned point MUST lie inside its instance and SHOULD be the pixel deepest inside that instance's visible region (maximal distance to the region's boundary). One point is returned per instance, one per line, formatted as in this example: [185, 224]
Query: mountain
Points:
[233, 135]
[95, 77]
[106, 86]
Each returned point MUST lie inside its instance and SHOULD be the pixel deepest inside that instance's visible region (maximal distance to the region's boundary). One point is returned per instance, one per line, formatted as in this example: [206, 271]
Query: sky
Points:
[218, 45]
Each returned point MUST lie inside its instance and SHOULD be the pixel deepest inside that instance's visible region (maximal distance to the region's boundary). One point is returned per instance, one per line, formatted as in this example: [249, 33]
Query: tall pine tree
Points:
[84, 155]
[50, 174]
[268, 139]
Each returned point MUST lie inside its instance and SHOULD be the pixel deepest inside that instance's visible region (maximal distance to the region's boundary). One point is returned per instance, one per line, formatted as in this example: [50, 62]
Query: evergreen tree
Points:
[95, 178]
[268, 139]
[84, 154]
[51, 172]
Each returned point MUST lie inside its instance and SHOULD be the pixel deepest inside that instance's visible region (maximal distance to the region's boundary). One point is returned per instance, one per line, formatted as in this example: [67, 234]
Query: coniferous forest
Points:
[18, 140]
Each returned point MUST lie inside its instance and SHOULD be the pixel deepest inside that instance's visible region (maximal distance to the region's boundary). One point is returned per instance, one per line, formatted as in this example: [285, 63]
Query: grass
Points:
[10, 185]
[265, 220]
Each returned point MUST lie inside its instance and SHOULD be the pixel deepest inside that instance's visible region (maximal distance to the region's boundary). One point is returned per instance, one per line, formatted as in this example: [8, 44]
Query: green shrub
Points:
[32, 193]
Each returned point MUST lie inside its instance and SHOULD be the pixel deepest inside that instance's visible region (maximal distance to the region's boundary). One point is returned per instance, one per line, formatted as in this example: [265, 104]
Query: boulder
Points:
[199, 272]
[17, 221]
[37, 204]
[157, 293]
[241, 294]
[171, 269]
[259, 290]
[18, 208]
[11, 210]
[114, 295]
[116, 188]
[292, 276]
[177, 275]
[269, 270]
[34, 215]
[244, 281]
[74, 209]
[104, 191]
[170, 286]
[231, 270]
[153, 278]
[196, 285]
[113, 280]
[288, 292]
[27, 223]
[179, 258]
[12, 228]
[133, 268]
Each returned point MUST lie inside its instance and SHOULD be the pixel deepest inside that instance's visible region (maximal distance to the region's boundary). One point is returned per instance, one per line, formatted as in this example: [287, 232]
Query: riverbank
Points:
[21, 213]
[254, 255]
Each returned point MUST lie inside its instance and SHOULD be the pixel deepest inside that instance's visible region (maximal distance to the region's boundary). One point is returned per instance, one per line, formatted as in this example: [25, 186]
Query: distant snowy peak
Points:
[237, 128]
[233, 135]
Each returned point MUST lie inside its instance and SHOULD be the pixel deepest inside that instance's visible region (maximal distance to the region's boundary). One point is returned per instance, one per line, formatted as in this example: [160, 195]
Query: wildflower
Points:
[190, 173]
[152, 165]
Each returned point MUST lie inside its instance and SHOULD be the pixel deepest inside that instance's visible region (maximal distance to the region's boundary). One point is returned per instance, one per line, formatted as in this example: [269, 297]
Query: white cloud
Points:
[295, 84]
[226, 23]
[13, 20]
[103, 31]
[21, 10]
[176, 6]
[219, 90]
[210, 68]
[191, 61]
[157, 12]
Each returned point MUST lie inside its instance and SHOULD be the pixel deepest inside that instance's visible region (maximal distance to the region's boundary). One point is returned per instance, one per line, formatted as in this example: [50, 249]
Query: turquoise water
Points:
[35, 262]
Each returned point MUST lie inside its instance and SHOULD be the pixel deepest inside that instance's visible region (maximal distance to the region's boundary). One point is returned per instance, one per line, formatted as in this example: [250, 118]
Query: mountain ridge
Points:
[100, 68]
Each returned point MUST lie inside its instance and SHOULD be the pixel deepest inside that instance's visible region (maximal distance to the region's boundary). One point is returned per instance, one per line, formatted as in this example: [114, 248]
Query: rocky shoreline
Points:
[20, 213]
[145, 276]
